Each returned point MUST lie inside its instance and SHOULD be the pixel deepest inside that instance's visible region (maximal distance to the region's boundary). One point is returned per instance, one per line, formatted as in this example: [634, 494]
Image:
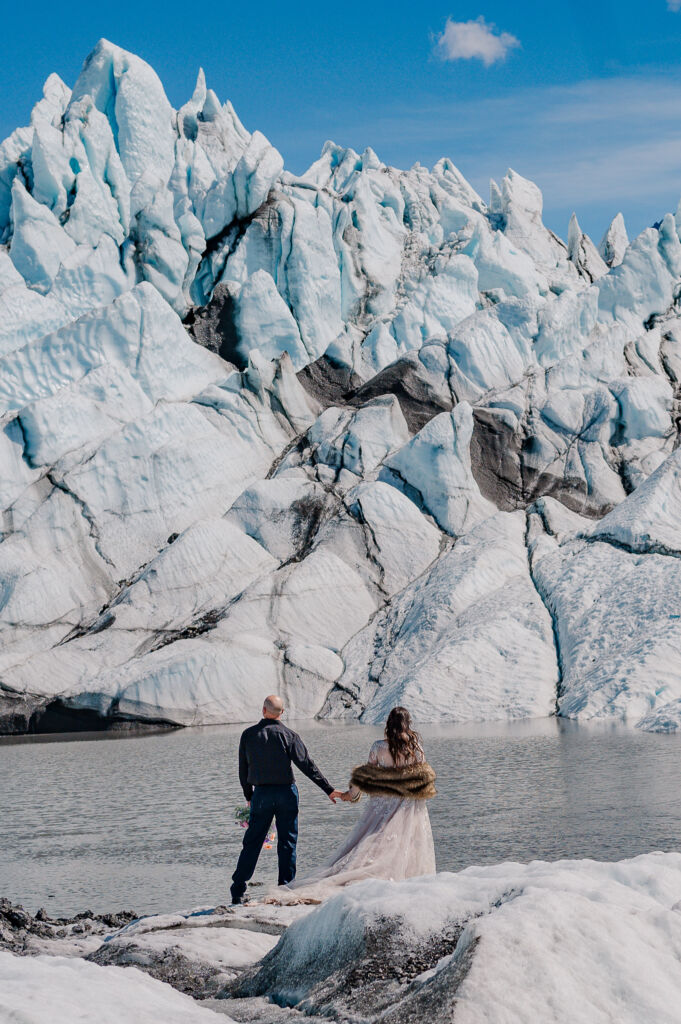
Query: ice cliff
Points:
[357, 436]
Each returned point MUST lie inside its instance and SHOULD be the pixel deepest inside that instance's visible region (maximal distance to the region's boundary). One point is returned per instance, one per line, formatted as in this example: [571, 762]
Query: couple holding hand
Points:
[392, 839]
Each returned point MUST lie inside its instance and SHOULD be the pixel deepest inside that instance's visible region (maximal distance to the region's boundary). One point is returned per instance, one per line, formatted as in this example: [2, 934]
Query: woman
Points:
[393, 838]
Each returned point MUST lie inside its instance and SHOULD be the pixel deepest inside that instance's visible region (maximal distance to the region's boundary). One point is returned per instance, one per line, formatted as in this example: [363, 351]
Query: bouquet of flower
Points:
[242, 816]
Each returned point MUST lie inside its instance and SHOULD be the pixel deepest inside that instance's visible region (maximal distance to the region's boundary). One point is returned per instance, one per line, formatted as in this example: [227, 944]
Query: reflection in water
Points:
[147, 822]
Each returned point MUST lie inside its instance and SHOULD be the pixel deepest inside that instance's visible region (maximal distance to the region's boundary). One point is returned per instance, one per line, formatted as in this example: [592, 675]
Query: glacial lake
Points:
[146, 822]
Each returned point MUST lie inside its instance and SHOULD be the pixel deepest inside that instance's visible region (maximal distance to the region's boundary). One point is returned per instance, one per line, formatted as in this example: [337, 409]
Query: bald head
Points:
[273, 707]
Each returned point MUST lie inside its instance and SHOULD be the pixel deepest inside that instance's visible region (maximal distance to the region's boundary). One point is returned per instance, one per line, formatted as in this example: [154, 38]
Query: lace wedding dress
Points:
[392, 839]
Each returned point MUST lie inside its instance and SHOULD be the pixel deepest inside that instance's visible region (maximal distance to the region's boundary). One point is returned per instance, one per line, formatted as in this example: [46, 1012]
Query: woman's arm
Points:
[352, 795]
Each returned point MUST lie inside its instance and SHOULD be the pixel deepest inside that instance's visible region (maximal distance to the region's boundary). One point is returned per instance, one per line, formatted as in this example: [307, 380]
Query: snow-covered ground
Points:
[35, 990]
[573, 941]
[358, 435]
[561, 943]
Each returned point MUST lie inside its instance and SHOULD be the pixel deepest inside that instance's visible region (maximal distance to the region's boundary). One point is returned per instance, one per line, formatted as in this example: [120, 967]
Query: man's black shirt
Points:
[266, 751]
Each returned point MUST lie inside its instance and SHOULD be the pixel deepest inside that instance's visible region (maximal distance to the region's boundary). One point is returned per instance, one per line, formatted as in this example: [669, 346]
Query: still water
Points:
[146, 823]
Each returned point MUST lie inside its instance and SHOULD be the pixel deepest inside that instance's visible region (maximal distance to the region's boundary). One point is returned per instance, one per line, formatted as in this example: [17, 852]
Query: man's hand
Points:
[335, 795]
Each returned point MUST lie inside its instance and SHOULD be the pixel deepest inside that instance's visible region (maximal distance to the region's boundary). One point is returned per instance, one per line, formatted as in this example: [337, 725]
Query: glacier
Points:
[357, 436]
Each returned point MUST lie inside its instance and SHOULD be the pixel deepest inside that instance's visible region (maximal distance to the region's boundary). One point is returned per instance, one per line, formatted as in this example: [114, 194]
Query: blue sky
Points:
[582, 97]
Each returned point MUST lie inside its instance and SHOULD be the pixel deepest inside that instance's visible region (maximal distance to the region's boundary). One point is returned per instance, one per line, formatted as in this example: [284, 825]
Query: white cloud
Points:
[465, 40]
[674, 5]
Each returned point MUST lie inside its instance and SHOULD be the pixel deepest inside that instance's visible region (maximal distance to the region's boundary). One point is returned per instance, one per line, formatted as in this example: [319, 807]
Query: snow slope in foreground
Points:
[570, 942]
[60, 990]
[573, 942]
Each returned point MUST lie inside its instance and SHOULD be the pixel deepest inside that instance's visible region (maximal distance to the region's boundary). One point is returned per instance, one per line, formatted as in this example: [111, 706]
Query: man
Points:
[266, 751]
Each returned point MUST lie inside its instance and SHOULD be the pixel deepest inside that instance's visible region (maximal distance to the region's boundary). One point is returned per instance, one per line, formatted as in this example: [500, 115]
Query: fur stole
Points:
[416, 781]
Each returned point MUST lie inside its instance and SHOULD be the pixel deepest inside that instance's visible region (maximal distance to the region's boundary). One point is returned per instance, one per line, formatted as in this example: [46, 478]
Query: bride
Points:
[393, 838]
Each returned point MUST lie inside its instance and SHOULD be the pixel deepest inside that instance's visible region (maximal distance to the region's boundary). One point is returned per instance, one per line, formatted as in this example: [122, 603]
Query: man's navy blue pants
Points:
[267, 803]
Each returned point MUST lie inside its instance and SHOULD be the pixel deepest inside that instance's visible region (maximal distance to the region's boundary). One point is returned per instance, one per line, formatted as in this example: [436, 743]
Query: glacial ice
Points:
[650, 519]
[354, 435]
[469, 639]
[615, 242]
[39, 243]
[436, 465]
[570, 942]
[583, 253]
[614, 600]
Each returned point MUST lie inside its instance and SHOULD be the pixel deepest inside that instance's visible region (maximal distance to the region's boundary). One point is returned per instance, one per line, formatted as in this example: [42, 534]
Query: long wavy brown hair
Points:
[403, 743]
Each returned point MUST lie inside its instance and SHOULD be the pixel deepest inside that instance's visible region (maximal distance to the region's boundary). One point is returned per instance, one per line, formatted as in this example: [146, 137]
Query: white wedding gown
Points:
[392, 839]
